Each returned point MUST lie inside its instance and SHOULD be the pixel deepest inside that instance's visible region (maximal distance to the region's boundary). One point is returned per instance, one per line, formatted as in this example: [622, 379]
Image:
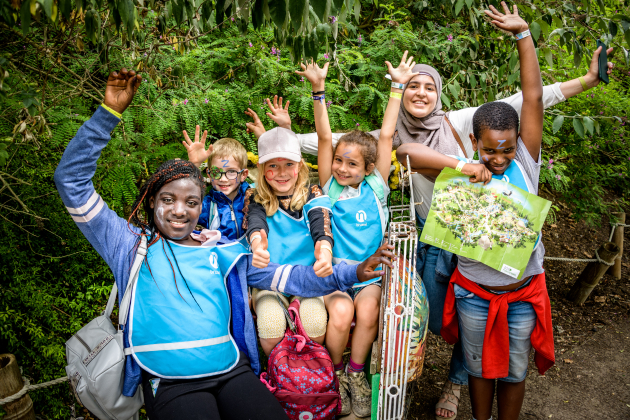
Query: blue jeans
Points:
[435, 266]
[472, 314]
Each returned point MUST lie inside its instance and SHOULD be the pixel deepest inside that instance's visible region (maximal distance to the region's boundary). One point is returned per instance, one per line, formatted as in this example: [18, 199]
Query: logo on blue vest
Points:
[361, 216]
[214, 260]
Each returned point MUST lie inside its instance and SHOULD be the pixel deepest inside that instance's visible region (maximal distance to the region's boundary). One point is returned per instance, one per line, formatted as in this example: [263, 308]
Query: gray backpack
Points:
[96, 358]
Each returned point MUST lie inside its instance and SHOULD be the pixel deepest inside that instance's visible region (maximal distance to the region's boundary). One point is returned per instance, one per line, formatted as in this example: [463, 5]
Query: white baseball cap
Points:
[279, 143]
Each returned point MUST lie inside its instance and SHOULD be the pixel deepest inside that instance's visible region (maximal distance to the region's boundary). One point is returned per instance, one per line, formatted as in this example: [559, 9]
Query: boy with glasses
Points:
[227, 170]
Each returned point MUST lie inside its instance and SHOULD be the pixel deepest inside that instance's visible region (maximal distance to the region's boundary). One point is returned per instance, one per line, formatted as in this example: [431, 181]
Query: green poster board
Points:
[497, 224]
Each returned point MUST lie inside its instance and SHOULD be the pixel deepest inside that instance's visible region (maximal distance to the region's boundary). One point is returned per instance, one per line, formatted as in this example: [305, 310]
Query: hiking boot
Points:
[346, 406]
[361, 394]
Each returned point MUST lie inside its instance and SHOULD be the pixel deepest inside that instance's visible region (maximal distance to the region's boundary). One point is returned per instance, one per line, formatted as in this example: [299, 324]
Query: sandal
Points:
[451, 394]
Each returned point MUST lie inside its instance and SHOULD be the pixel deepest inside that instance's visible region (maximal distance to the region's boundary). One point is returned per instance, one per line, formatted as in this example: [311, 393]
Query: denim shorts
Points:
[472, 312]
[354, 291]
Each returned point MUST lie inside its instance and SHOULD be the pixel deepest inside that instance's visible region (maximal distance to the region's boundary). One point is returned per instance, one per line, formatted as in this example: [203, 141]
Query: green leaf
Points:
[513, 77]
[48, 7]
[473, 81]
[219, 11]
[513, 61]
[25, 14]
[596, 126]
[454, 91]
[445, 100]
[589, 125]
[501, 71]
[534, 28]
[319, 7]
[278, 12]
[557, 123]
[627, 37]
[458, 6]
[65, 7]
[578, 127]
[335, 6]
[296, 12]
[258, 15]
[548, 56]
[612, 28]
[4, 155]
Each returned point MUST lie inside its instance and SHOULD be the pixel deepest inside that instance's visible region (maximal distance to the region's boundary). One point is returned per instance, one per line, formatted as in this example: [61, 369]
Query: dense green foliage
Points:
[52, 80]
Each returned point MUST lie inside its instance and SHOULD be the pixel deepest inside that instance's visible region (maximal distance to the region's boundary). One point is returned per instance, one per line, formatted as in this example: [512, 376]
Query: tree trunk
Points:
[11, 383]
[593, 273]
[617, 239]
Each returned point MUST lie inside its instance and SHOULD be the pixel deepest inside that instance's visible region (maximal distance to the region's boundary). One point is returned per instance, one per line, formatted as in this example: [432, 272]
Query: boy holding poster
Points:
[500, 317]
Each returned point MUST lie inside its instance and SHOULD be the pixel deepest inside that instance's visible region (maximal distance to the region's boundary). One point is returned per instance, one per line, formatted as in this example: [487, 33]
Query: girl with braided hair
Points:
[189, 337]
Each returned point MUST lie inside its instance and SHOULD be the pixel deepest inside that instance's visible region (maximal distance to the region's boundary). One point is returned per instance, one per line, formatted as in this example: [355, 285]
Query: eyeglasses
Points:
[216, 173]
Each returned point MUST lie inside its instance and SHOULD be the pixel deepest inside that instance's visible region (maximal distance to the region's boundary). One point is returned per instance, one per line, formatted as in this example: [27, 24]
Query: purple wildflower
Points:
[558, 177]
[329, 103]
[251, 45]
[333, 19]
[357, 124]
[232, 19]
[206, 101]
[185, 101]
[160, 36]
[391, 22]
[145, 54]
[550, 161]
[360, 40]
[326, 56]
[273, 50]
[450, 38]
[301, 79]
[601, 112]
[250, 102]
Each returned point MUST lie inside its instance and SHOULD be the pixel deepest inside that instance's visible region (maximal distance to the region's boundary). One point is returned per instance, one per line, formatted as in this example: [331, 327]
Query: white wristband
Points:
[523, 34]
[459, 166]
[255, 236]
[398, 85]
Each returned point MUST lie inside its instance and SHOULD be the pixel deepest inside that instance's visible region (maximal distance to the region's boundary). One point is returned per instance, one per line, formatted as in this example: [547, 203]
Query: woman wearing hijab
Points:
[422, 120]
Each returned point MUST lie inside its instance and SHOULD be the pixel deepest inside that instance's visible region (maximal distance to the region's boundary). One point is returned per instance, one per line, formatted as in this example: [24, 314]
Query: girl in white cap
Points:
[288, 221]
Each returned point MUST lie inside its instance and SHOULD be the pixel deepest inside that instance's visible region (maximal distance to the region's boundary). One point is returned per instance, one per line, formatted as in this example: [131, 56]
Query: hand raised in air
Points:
[403, 73]
[314, 74]
[256, 127]
[121, 88]
[197, 152]
[507, 21]
[278, 114]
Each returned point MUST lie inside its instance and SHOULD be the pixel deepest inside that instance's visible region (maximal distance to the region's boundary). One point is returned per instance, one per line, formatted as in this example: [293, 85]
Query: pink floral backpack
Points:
[301, 374]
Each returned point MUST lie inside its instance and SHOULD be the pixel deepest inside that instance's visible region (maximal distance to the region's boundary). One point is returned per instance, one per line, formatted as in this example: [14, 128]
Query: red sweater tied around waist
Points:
[495, 358]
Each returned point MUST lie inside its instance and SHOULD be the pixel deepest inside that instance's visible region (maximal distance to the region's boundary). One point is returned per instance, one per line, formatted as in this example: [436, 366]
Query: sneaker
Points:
[361, 394]
[346, 406]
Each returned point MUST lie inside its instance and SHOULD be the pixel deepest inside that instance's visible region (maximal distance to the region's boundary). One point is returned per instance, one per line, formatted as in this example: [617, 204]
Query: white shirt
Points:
[462, 123]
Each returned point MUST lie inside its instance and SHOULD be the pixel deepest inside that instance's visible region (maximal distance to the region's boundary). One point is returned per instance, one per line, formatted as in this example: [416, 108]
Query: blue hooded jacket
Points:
[230, 213]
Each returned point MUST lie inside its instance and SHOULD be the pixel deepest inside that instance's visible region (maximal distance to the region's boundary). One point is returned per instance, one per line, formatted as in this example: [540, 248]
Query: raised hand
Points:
[403, 73]
[323, 254]
[260, 254]
[314, 74]
[592, 77]
[278, 114]
[121, 87]
[197, 152]
[383, 255]
[477, 172]
[507, 21]
[256, 127]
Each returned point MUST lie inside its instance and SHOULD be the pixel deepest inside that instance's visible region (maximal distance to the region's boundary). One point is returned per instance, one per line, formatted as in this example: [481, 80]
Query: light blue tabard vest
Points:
[290, 240]
[180, 337]
[359, 223]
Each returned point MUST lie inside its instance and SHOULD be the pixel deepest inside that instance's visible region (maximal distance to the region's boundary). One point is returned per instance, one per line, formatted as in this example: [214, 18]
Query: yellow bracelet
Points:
[327, 247]
[116, 114]
[459, 166]
[583, 82]
[395, 95]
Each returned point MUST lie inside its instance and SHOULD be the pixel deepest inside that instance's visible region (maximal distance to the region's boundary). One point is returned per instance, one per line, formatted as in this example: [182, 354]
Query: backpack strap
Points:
[459, 141]
[290, 323]
[294, 310]
[334, 191]
[133, 278]
[376, 186]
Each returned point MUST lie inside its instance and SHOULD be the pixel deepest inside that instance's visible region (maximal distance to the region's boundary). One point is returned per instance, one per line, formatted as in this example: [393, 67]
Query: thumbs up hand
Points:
[323, 254]
[259, 247]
